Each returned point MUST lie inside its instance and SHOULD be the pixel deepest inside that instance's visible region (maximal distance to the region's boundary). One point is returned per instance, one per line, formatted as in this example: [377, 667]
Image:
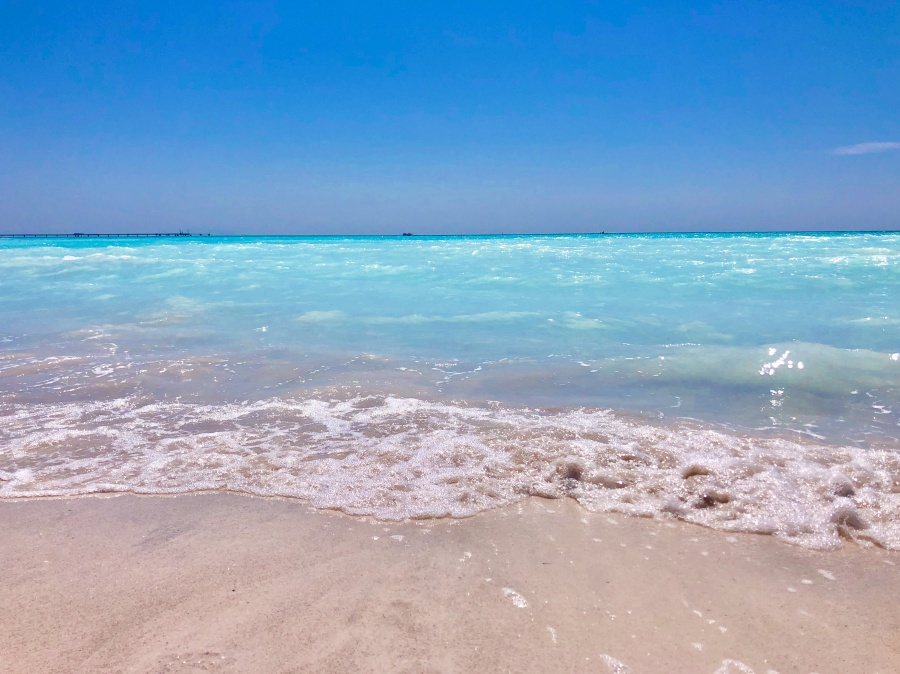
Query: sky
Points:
[454, 117]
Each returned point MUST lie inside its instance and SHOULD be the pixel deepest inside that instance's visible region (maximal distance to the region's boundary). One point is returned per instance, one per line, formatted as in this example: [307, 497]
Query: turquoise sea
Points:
[746, 382]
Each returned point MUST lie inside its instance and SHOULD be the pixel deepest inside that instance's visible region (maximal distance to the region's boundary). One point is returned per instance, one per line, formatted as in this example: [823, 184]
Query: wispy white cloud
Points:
[868, 148]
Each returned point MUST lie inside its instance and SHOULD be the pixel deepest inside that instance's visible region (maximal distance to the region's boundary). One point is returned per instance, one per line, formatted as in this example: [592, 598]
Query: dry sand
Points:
[228, 583]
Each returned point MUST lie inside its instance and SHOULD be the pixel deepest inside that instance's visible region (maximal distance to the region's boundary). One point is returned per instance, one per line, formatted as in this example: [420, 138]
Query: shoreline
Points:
[398, 458]
[234, 583]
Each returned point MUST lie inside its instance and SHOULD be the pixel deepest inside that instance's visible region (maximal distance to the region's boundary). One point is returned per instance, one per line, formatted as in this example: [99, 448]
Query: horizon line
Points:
[188, 235]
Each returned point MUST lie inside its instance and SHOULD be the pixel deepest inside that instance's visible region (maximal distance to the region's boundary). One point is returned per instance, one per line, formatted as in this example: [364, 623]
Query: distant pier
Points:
[89, 235]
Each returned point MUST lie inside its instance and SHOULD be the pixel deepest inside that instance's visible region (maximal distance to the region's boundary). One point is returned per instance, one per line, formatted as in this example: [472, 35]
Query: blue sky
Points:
[364, 117]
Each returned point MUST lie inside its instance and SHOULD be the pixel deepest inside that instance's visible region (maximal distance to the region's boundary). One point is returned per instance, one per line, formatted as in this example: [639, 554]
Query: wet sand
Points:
[228, 583]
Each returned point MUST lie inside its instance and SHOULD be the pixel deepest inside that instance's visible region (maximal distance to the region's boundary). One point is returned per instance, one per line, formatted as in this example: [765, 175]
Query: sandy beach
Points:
[229, 583]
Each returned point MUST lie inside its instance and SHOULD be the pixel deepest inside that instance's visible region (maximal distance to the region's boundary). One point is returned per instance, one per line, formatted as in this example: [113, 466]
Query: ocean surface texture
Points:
[743, 382]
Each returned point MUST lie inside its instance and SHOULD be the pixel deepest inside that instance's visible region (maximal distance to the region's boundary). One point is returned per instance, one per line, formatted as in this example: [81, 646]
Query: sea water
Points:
[745, 382]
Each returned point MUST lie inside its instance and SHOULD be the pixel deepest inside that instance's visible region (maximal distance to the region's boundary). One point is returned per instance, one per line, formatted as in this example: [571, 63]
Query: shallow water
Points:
[746, 382]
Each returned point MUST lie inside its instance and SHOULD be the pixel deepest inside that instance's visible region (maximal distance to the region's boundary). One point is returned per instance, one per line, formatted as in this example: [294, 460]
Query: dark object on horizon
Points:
[407, 233]
[78, 235]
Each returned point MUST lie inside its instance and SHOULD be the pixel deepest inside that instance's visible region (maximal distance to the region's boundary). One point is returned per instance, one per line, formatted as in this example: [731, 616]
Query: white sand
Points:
[227, 583]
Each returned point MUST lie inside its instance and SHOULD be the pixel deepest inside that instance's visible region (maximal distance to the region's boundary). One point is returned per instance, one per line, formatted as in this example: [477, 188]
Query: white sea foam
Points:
[397, 458]
[419, 319]
[322, 316]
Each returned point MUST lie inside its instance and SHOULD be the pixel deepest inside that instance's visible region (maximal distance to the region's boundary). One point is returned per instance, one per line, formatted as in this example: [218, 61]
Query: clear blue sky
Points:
[382, 117]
